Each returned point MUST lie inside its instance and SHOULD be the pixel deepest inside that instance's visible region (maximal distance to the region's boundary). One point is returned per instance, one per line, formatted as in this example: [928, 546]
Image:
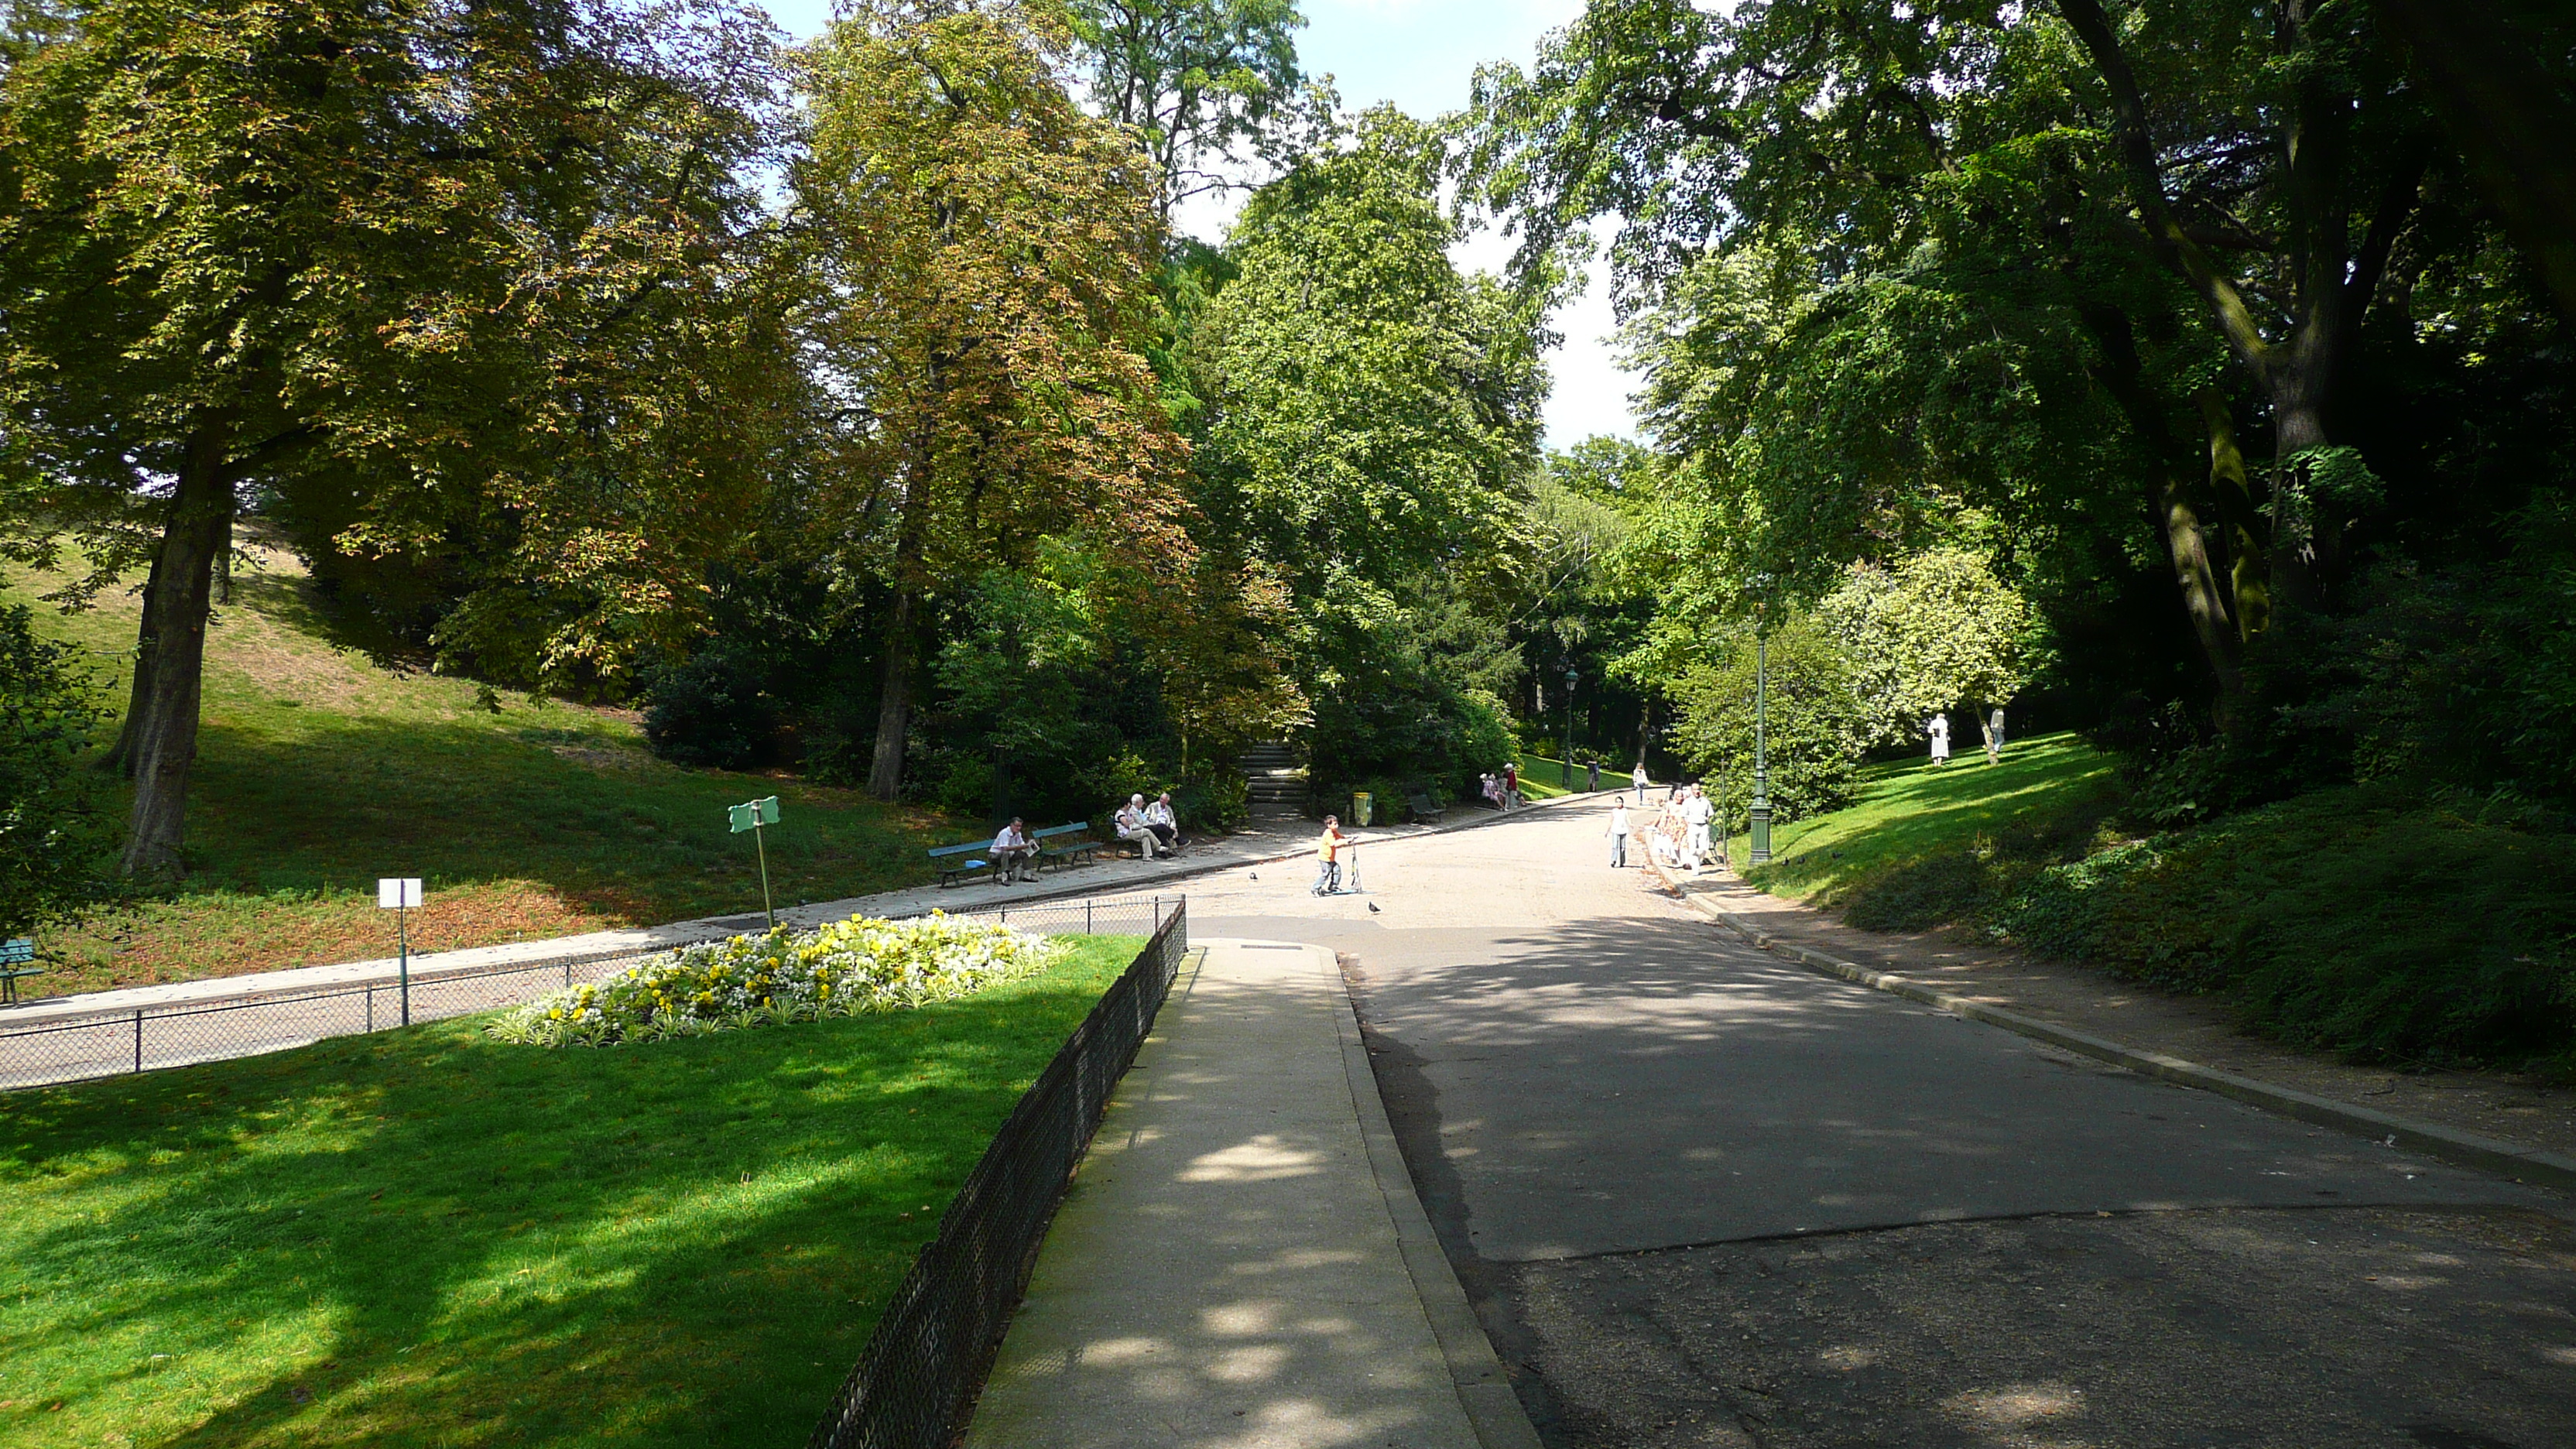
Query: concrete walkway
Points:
[1242, 1263]
[1260, 842]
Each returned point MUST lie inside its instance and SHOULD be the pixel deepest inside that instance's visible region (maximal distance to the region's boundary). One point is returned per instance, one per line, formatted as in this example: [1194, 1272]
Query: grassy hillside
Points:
[320, 771]
[425, 1237]
[2379, 920]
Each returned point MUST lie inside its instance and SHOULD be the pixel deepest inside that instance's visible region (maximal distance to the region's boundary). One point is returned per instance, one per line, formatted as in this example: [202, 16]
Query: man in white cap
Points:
[1131, 826]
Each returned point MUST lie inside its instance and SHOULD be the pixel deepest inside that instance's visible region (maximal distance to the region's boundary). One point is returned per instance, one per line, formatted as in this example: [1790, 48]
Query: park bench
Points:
[1420, 803]
[17, 958]
[956, 860]
[1066, 844]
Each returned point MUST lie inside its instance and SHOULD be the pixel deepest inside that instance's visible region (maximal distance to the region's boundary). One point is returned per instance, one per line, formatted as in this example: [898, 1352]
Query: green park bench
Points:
[1066, 844]
[1422, 806]
[17, 958]
[956, 860]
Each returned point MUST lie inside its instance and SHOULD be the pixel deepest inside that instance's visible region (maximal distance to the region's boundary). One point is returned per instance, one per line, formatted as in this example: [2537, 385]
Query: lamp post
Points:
[1565, 763]
[1761, 809]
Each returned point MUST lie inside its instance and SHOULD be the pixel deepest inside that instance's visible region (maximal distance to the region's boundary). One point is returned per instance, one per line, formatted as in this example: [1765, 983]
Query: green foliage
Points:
[55, 835]
[2372, 921]
[710, 709]
[1194, 80]
[383, 1237]
[843, 968]
[1936, 631]
[1813, 725]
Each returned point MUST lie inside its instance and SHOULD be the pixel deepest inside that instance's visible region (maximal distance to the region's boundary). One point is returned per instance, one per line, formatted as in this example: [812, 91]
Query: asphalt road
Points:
[1702, 1197]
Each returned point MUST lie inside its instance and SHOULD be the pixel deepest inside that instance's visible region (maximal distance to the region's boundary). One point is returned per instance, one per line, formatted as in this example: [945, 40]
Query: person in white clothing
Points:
[1939, 729]
[1165, 823]
[1696, 812]
[1131, 825]
[1637, 779]
[1618, 832]
[1014, 853]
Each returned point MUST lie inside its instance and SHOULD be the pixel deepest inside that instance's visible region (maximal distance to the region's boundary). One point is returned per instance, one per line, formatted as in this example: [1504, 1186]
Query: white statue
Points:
[1939, 729]
[1995, 737]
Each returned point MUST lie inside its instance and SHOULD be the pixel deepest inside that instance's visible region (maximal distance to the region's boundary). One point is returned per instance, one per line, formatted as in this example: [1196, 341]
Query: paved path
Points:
[1704, 1197]
[1231, 1266]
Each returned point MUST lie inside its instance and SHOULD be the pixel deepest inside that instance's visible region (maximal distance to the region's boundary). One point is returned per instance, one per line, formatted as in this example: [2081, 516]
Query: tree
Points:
[55, 836]
[1191, 79]
[1936, 631]
[413, 267]
[1370, 426]
[981, 255]
[1812, 725]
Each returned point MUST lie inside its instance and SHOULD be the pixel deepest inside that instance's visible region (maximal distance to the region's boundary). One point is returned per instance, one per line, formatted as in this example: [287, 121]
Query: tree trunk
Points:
[2248, 570]
[2124, 377]
[121, 758]
[167, 690]
[2307, 535]
[894, 702]
[2198, 583]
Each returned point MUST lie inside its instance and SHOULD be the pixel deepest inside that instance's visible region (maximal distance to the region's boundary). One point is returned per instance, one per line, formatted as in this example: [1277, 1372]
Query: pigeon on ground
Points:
[1373, 910]
[1256, 875]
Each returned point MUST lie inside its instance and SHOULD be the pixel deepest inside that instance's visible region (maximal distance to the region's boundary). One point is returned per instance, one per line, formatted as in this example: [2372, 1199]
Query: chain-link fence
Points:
[932, 1348]
[72, 1048]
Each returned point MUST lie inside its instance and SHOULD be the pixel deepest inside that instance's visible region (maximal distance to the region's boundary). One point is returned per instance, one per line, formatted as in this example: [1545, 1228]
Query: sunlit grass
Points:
[320, 771]
[1910, 809]
[424, 1237]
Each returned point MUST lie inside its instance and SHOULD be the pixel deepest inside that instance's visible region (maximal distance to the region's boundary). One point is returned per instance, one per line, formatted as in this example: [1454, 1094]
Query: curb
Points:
[1475, 1370]
[81, 1007]
[2461, 1149]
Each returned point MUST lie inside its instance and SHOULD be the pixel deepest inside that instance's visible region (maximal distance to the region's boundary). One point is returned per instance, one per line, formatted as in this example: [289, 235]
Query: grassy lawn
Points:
[320, 771]
[1538, 778]
[1909, 811]
[423, 1237]
[2385, 922]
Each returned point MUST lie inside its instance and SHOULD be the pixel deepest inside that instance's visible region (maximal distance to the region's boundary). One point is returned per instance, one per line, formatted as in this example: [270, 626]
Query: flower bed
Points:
[843, 969]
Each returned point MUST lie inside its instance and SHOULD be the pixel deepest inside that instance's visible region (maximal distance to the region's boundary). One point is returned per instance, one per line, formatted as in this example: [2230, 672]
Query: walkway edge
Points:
[2463, 1149]
[1475, 1370]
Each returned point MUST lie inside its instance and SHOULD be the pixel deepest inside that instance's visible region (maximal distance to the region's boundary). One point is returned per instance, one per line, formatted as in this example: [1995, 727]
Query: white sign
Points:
[391, 892]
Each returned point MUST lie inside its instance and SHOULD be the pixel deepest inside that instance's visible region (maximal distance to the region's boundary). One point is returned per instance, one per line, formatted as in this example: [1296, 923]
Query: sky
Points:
[1421, 54]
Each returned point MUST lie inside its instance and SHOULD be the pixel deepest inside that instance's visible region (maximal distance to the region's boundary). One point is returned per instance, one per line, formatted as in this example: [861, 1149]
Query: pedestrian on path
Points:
[1328, 855]
[1618, 833]
[1511, 787]
[1696, 812]
[1592, 774]
[1637, 778]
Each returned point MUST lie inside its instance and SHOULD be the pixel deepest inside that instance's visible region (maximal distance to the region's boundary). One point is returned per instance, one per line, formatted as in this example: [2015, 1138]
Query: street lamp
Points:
[1565, 764]
[1761, 810]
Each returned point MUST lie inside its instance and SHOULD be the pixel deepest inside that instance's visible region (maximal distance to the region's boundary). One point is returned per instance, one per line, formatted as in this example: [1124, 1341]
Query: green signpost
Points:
[751, 815]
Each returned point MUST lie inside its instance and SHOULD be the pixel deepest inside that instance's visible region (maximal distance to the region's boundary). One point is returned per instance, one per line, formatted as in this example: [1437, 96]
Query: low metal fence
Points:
[61, 1050]
[931, 1350]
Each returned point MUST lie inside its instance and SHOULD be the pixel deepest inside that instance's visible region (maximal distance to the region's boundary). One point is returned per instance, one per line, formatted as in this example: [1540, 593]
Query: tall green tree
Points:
[982, 256]
[413, 264]
[1193, 80]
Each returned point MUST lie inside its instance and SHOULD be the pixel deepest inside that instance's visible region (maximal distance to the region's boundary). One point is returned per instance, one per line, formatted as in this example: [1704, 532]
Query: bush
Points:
[1812, 724]
[847, 968]
[711, 709]
[54, 828]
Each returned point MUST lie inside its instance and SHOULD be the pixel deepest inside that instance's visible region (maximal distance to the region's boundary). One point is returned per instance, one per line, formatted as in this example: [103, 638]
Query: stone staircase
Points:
[1275, 783]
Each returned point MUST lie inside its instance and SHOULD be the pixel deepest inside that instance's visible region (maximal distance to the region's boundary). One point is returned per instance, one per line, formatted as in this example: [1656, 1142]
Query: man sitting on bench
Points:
[1166, 825]
[1014, 853]
[1131, 825]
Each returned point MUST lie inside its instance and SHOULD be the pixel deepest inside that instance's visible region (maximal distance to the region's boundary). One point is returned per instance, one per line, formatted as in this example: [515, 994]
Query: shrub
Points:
[847, 968]
[54, 829]
[711, 709]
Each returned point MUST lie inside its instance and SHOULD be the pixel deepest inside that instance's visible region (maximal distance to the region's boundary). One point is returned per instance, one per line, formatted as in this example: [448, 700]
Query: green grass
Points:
[2385, 922]
[1539, 776]
[320, 771]
[1909, 811]
[423, 1237]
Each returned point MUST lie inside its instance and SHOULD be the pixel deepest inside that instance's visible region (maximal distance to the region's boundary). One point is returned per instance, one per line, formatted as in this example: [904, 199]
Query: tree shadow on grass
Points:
[426, 1237]
[340, 800]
